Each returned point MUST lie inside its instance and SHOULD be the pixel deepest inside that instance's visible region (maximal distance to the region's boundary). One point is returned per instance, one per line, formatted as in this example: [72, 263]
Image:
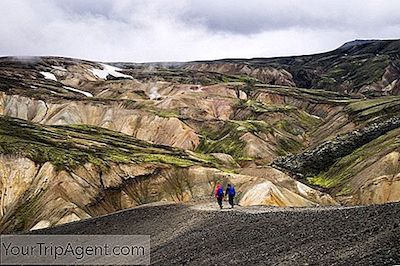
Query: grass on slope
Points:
[183, 76]
[259, 107]
[68, 147]
[374, 109]
[226, 140]
[360, 70]
[339, 174]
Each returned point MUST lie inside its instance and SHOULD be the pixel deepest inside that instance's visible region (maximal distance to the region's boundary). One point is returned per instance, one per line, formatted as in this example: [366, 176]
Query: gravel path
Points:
[204, 235]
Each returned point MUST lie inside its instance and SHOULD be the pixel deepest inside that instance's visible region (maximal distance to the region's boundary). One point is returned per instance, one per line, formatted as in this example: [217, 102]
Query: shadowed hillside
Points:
[369, 67]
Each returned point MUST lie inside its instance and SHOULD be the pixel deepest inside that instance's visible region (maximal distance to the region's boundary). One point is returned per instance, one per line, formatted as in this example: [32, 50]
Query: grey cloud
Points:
[159, 30]
[251, 17]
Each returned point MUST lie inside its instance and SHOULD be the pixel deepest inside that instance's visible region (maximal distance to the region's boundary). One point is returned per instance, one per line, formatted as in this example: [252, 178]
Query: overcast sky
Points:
[182, 30]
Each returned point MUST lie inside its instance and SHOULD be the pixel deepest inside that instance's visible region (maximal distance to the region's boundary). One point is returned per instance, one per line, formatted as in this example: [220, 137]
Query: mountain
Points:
[368, 67]
[81, 139]
[356, 43]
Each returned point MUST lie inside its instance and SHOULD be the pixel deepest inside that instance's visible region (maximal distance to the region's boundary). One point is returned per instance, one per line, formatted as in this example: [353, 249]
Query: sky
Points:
[186, 30]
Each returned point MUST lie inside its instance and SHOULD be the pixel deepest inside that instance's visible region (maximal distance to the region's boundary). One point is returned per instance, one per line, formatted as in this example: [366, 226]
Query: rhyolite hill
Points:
[81, 139]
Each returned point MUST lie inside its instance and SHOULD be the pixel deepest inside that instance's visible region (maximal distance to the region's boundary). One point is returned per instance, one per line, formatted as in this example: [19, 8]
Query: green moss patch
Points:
[379, 108]
[259, 107]
[311, 95]
[288, 146]
[186, 76]
[68, 147]
[225, 139]
[338, 176]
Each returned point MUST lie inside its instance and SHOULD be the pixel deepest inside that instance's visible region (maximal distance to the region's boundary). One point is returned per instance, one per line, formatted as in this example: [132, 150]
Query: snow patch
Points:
[108, 70]
[87, 94]
[59, 68]
[48, 75]
[154, 95]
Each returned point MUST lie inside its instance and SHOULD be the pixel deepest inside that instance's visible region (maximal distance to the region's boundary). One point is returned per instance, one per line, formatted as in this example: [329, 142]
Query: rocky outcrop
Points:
[319, 159]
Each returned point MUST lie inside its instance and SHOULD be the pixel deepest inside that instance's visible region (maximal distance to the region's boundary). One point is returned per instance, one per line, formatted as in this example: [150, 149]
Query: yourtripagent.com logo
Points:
[75, 249]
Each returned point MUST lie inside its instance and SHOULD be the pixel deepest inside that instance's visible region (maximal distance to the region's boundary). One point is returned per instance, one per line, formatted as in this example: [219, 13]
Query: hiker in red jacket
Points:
[219, 194]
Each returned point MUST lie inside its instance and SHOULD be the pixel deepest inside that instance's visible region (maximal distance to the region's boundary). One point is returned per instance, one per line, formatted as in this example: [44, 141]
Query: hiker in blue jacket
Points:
[219, 194]
[230, 192]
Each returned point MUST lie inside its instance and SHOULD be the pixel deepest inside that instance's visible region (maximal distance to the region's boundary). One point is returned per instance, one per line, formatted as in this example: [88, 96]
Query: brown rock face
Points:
[143, 125]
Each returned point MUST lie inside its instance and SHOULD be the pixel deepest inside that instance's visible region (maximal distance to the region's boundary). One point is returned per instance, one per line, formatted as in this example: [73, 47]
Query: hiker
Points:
[230, 192]
[219, 194]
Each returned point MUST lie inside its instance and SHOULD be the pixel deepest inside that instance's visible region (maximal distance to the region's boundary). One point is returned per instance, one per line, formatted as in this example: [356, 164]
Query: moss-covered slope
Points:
[70, 146]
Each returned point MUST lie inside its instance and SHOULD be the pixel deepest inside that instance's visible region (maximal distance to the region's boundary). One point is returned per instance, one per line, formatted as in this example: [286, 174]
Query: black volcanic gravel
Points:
[181, 234]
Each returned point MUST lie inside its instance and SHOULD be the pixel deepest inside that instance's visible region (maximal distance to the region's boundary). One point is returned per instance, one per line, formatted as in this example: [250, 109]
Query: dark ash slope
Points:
[259, 235]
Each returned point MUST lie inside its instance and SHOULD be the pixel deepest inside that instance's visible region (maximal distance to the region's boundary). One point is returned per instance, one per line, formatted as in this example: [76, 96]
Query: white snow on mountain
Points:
[48, 75]
[59, 68]
[87, 94]
[109, 70]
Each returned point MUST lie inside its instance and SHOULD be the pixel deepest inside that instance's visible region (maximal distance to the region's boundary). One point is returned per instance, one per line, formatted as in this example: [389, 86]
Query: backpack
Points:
[231, 191]
[220, 192]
